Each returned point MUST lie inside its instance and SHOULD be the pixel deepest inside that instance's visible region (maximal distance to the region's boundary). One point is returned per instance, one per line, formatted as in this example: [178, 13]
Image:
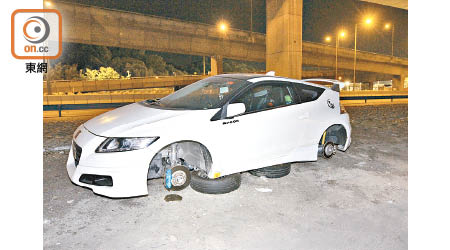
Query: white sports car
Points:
[205, 134]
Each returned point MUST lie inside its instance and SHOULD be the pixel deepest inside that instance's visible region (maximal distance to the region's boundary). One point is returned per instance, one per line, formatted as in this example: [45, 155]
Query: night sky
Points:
[320, 18]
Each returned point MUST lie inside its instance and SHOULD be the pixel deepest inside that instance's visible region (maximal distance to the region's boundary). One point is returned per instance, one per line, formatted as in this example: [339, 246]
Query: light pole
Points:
[204, 68]
[387, 26]
[251, 17]
[216, 61]
[367, 21]
[354, 57]
[338, 36]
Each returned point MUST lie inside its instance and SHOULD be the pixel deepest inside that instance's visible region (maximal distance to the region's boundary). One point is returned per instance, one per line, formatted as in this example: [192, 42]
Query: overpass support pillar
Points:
[284, 37]
[216, 65]
[398, 82]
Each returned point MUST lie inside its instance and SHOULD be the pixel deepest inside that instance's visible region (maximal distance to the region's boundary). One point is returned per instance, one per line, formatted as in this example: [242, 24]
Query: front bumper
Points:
[128, 170]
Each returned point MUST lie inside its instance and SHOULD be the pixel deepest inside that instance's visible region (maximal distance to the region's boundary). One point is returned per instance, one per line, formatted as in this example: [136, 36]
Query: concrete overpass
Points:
[100, 26]
[401, 4]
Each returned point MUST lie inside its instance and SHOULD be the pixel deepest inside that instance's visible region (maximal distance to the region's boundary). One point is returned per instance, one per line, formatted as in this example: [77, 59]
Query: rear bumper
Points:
[347, 144]
[345, 120]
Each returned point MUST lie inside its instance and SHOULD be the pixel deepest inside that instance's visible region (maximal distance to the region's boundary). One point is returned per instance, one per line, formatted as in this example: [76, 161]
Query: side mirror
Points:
[234, 109]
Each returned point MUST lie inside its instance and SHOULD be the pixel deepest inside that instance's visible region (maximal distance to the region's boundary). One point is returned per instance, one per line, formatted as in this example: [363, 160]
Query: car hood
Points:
[117, 121]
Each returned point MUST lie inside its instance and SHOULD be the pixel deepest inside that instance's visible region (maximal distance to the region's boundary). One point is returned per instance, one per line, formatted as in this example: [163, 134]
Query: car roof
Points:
[249, 76]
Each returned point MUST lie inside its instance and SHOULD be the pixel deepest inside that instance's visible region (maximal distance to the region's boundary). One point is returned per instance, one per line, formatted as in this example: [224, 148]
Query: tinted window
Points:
[307, 93]
[266, 96]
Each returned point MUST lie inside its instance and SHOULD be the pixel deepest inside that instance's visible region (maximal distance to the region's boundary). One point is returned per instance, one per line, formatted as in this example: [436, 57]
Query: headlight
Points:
[125, 144]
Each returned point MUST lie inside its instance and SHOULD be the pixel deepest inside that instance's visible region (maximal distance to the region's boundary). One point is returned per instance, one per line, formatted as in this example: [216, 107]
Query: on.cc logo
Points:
[36, 29]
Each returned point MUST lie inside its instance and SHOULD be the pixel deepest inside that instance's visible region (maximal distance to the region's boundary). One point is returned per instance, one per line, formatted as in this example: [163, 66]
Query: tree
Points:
[240, 67]
[136, 68]
[102, 74]
[85, 56]
[156, 64]
[137, 62]
[63, 72]
[174, 71]
[124, 64]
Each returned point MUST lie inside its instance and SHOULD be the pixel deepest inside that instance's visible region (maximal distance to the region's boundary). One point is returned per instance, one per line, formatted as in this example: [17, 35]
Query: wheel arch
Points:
[336, 133]
[193, 154]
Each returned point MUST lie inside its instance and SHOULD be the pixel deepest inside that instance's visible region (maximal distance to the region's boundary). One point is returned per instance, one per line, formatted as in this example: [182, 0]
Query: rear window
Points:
[307, 93]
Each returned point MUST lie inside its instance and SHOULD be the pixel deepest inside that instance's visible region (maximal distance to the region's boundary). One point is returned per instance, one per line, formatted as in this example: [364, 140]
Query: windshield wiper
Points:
[156, 101]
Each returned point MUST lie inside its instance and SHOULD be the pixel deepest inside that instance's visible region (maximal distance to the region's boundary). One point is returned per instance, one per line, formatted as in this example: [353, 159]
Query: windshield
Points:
[204, 94]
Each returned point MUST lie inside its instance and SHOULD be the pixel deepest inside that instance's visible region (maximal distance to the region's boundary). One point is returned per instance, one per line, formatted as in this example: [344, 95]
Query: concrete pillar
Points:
[284, 37]
[216, 65]
[398, 82]
[405, 82]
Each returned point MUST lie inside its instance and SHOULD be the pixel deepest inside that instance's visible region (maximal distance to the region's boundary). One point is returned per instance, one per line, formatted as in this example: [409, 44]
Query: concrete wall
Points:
[121, 84]
[98, 98]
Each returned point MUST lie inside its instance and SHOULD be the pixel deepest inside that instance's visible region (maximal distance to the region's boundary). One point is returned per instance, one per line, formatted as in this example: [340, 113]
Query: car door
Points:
[264, 132]
[308, 112]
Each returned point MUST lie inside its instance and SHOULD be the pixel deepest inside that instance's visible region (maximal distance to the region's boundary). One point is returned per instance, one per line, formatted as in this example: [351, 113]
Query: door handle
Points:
[303, 116]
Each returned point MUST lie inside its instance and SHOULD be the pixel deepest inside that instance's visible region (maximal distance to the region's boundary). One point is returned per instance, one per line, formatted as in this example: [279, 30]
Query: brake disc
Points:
[177, 178]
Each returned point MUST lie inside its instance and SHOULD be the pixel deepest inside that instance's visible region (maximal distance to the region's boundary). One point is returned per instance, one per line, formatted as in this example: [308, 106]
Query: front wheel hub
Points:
[177, 178]
[329, 150]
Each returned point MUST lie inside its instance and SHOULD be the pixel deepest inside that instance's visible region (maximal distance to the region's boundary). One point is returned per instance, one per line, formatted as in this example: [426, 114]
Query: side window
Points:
[266, 96]
[307, 93]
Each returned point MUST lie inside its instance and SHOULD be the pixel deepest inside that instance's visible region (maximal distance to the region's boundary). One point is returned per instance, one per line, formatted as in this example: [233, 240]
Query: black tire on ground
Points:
[276, 171]
[221, 185]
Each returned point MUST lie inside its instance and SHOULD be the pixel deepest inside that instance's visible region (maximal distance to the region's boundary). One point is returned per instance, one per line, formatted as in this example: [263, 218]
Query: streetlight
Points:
[48, 4]
[223, 26]
[340, 34]
[367, 21]
[387, 26]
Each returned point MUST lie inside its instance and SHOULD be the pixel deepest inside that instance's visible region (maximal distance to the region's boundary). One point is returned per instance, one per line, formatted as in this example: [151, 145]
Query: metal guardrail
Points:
[86, 86]
[365, 98]
[61, 107]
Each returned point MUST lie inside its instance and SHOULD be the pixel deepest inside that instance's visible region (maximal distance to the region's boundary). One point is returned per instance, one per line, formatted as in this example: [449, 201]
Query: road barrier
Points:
[111, 105]
[373, 97]
[108, 94]
[99, 98]
[86, 86]
[361, 97]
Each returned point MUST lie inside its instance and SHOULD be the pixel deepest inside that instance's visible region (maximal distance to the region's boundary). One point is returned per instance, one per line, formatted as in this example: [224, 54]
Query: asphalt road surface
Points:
[356, 200]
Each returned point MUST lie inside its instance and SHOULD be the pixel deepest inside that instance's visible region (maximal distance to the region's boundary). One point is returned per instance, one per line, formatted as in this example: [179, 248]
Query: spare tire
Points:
[221, 185]
[276, 171]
